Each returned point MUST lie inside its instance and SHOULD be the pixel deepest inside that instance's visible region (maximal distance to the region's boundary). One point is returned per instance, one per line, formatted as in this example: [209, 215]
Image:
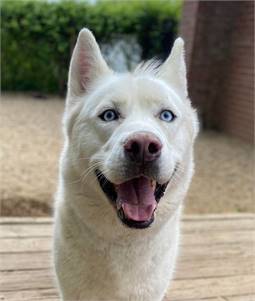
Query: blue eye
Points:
[167, 116]
[109, 115]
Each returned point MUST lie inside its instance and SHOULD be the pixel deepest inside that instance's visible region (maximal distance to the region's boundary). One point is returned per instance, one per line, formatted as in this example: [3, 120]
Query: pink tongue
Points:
[136, 197]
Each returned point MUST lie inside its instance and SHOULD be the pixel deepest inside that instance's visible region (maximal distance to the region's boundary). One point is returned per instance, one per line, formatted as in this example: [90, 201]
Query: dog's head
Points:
[130, 136]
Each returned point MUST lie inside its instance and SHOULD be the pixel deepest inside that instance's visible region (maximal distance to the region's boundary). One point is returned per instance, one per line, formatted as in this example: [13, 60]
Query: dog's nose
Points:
[143, 147]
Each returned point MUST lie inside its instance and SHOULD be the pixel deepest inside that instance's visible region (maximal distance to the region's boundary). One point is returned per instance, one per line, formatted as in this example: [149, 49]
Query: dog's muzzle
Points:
[136, 199]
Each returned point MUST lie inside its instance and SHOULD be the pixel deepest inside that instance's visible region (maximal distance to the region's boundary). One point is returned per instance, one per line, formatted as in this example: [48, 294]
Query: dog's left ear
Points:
[173, 70]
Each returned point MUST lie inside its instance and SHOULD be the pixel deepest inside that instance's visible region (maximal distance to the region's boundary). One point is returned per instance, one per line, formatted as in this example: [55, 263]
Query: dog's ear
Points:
[87, 64]
[173, 70]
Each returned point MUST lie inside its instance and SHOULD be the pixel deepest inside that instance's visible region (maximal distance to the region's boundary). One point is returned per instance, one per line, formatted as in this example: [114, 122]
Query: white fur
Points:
[96, 257]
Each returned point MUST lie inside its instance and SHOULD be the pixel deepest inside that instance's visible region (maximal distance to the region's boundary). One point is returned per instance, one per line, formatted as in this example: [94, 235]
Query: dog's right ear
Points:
[87, 64]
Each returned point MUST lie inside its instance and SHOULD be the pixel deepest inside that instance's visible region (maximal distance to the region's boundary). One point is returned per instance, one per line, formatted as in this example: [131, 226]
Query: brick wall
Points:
[188, 26]
[220, 56]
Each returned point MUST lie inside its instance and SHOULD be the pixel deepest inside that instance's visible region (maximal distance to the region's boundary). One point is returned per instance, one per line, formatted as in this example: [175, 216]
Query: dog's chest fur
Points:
[130, 269]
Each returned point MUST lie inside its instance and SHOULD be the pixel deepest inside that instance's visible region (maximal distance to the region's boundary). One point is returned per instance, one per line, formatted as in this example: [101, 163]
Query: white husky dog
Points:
[124, 171]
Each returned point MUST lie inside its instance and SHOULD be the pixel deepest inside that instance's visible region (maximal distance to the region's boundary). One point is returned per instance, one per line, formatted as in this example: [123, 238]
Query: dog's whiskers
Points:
[101, 175]
[89, 170]
[177, 175]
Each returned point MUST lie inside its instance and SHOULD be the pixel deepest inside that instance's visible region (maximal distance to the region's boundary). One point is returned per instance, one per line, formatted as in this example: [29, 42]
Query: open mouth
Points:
[135, 200]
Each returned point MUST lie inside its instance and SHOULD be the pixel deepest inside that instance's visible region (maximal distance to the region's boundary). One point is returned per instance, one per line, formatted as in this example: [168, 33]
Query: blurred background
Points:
[37, 38]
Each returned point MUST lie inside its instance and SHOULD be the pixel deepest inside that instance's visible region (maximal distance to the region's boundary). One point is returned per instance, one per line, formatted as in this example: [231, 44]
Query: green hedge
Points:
[38, 37]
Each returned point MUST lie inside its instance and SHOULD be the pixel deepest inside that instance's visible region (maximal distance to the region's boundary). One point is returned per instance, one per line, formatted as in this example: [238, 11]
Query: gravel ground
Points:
[31, 139]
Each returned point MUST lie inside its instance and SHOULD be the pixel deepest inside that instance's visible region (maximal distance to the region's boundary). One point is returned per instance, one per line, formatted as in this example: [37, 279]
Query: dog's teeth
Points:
[118, 203]
[153, 183]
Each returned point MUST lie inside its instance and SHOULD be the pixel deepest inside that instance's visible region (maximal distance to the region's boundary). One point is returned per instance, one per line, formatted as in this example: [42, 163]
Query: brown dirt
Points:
[31, 140]
[224, 175]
